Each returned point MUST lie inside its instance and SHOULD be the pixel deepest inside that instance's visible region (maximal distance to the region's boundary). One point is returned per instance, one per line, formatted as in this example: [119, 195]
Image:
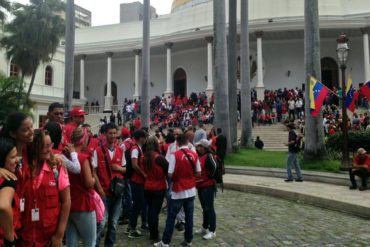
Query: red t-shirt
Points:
[364, 162]
[67, 131]
[137, 124]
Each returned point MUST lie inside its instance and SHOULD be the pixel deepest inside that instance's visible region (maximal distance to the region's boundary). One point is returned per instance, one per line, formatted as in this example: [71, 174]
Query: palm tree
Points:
[69, 54]
[246, 116]
[4, 5]
[145, 108]
[34, 35]
[233, 73]
[314, 144]
[221, 76]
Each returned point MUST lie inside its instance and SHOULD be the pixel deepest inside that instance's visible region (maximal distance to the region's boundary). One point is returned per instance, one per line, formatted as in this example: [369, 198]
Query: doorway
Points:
[179, 82]
[114, 92]
[329, 72]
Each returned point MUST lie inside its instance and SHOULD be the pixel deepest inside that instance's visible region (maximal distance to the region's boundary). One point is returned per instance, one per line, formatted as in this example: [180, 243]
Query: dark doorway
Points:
[179, 82]
[114, 92]
[329, 72]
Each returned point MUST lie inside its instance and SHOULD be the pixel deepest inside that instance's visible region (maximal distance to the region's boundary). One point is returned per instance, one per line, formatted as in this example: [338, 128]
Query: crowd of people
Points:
[60, 183]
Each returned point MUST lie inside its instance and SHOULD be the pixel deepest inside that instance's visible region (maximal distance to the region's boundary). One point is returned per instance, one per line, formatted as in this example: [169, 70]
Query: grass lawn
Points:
[277, 159]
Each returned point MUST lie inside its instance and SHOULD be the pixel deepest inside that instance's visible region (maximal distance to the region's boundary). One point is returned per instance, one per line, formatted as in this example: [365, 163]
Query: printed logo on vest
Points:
[52, 183]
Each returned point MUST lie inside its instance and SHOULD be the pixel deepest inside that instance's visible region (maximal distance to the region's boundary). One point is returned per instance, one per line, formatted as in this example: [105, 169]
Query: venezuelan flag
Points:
[318, 92]
[365, 89]
[350, 95]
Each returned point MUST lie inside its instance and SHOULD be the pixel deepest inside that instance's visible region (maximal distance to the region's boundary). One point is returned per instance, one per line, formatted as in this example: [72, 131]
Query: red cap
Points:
[77, 111]
[125, 132]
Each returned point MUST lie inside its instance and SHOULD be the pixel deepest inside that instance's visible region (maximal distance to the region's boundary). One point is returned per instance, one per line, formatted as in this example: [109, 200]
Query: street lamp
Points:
[342, 52]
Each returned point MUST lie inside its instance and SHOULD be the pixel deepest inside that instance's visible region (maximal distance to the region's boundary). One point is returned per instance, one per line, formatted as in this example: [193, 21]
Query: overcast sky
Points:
[107, 11]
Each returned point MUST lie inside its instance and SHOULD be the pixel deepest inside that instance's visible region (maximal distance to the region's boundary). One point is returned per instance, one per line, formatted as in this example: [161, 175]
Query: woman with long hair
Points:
[82, 218]
[9, 203]
[156, 167]
[46, 194]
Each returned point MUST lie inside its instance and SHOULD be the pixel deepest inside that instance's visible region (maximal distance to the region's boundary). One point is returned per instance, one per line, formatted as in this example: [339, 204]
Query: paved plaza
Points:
[245, 219]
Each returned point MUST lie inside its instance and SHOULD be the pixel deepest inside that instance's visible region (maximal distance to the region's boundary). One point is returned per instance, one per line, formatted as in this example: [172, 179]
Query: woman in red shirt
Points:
[206, 192]
[46, 194]
[82, 218]
[156, 167]
[9, 201]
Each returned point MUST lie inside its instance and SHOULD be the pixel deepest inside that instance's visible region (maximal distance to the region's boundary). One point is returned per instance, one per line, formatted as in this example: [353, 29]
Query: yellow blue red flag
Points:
[318, 92]
[350, 95]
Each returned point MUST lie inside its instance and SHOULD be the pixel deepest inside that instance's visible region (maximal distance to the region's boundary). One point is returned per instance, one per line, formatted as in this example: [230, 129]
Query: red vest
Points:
[137, 177]
[16, 215]
[46, 199]
[156, 179]
[204, 180]
[183, 176]
[103, 175]
[93, 144]
[80, 199]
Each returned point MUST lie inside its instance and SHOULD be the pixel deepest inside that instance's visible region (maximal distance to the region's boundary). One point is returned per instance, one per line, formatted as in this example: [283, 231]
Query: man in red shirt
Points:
[56, 113]
[78, 118]
[137, 123]
[361, 168]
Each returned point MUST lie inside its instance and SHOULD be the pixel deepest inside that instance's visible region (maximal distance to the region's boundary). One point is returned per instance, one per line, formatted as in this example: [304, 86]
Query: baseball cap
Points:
[125, 132]
[77, 111]
[361, 151]
[203, 143]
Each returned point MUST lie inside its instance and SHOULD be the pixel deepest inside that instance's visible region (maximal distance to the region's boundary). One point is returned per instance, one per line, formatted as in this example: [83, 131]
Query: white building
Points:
[181, 53]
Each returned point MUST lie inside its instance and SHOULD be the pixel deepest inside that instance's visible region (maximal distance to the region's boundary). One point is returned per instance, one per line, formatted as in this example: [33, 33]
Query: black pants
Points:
[362, 173]
[291, 113]
[154, 200]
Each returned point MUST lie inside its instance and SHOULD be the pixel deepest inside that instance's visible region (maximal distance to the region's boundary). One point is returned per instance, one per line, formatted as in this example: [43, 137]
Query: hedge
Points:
[356, 139]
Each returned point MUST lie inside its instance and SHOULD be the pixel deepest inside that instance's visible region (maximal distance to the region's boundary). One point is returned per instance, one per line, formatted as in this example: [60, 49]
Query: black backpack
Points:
[129, 169]
[216, 168]
[297, 146]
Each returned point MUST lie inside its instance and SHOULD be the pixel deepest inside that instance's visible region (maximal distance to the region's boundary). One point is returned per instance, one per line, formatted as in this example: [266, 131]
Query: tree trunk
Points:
[221, 76]
[30, 86]
[145, 107]
[246, 140]
[314, 131]
[233, 74]
[69, 54]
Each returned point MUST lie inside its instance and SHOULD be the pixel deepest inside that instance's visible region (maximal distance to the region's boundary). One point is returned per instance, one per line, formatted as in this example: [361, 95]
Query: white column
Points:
[108, 98]
[82, 77]
[210, 86]
[365, 34]
[137, 73]
[169, 88]
[260, 88]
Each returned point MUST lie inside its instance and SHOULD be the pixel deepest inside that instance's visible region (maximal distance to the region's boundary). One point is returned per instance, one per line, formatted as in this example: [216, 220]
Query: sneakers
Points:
[144, 228]
[288, 180]
[135, 234]
[202, 231]
[184, 243]
[180, 226]
[161, 244]
[298, 180]
[362, 188]
[209, 236]
[353, 187]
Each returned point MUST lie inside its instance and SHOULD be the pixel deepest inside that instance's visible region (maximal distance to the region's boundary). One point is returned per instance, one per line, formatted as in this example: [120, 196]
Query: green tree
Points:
[4, 6]
[33, 35]
[12, 96]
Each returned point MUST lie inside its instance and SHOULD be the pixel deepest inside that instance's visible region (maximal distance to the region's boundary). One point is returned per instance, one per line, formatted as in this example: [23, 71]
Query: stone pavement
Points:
[319, 194]
[245, 219]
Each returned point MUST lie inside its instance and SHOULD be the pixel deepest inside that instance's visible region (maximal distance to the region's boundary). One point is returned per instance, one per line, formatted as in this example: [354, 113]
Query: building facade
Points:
[134, 12]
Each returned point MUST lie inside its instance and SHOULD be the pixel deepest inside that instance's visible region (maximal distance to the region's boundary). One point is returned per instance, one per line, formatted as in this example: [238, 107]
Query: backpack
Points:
[216, 168]
[297, 146]
[129, 169]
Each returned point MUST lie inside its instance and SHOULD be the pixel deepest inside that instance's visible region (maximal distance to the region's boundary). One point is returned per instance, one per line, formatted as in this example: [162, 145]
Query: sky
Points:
[107, 11]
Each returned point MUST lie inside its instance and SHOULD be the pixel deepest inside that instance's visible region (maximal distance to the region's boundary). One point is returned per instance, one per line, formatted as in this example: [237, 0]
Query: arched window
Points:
[14, 71]
[49, 75]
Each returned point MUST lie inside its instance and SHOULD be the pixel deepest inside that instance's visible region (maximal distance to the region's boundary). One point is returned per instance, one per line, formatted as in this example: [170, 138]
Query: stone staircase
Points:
[274, 136]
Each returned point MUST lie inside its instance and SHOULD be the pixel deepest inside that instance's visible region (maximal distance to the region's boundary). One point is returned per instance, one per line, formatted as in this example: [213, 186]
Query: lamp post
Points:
[342, 52]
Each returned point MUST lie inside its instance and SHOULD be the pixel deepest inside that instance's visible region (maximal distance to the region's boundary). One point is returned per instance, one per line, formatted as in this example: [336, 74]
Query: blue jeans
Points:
[127, 200]
[173, 210]
[293, 158]
[112, 212]
[138, 203]
[81, 225]
[207, 199]
[155, 201]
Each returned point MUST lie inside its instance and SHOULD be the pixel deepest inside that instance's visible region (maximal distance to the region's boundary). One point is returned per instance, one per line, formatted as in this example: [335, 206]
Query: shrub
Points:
[356, 139]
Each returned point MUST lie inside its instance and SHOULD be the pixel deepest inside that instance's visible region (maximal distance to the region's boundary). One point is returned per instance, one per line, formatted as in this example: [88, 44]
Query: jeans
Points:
[81, 225]
[207, 199]
[362, 173]
[127, 200]
[173, 210]
[155, 201]
[181, 215]
[112, 212]
[138, 203]
[293, 158]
